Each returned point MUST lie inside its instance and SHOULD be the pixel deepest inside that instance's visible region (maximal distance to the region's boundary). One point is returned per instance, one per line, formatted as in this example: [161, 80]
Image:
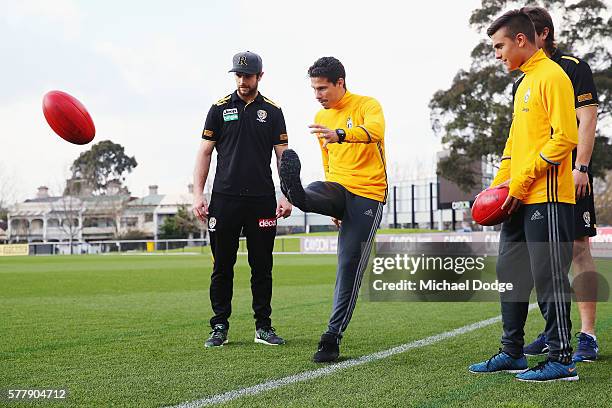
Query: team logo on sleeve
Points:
[267, 222]
[349, 123]
[230, 114]
[585, 97]
[212, 223]
[262, 115]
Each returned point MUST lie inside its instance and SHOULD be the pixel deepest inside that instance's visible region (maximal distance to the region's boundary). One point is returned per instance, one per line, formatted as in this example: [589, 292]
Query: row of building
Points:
[85, 217]
[89, 217]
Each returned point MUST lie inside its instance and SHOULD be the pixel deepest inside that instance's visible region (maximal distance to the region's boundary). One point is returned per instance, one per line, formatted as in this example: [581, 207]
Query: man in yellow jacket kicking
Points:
[350, 129]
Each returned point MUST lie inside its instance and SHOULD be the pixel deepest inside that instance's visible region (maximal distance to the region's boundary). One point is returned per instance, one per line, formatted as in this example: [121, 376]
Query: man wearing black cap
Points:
[244, 127]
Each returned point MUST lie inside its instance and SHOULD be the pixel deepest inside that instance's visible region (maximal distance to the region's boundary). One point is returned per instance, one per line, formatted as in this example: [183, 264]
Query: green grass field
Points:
[129, 331]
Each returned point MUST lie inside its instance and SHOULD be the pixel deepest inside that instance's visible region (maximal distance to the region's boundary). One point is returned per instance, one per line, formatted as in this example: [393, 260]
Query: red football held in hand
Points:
[68, 117]
[487, 210]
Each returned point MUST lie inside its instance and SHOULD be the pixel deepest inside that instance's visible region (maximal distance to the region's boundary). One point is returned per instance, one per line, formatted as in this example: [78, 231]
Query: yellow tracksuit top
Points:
[544, 101]
[358, 164]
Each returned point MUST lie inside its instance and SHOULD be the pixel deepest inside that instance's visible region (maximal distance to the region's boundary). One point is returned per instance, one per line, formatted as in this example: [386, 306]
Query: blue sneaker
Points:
[537, 347]
[550, 370]
[587, 349]
[500, 362]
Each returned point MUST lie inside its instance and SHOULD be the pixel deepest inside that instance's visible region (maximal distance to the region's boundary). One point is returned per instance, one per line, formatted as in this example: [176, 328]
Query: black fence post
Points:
[412, 207]
[431, 214]
[395, 207]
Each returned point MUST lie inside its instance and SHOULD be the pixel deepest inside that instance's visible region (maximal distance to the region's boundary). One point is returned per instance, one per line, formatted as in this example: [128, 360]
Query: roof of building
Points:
[42, 200]
[177, 199]
[150, 200]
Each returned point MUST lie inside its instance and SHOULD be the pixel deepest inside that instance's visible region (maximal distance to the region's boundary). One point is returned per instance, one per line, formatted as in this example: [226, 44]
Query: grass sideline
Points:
[128, 331]
[394, 231]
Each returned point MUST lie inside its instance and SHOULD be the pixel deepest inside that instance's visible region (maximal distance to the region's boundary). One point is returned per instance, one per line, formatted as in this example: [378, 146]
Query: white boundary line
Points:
[330, 369]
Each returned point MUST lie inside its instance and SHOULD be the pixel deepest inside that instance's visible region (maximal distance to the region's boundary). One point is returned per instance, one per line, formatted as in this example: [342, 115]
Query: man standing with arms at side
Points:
[244, 127]
[350, 129]
[538, 236]
[586, 102]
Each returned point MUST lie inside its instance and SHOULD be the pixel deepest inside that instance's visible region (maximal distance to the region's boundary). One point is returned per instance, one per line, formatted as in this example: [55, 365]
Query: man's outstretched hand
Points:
[327, 135]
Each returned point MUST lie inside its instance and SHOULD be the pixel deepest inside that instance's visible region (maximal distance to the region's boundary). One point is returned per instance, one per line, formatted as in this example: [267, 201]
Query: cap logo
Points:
[242, 60]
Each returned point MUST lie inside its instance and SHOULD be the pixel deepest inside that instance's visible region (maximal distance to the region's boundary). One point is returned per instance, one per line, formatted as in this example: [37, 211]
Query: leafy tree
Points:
[104, 163]
[7, 187]
[603, 199]
[181, 225]
[473, 116]
[134, 235]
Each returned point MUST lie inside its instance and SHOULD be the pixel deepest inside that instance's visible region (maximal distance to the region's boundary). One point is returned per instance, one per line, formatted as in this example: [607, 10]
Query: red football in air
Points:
[486, 209]
[68, 117]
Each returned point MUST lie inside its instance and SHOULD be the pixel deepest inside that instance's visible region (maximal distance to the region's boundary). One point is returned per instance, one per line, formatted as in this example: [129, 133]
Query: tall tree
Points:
[603, 199]
[7, 188]
[473, 116]
[104, 163]
[69, 210]
[181, 225]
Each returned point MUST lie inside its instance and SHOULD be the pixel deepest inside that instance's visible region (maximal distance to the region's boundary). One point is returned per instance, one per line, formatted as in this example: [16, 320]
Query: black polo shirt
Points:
[244, 136]
[580, 74]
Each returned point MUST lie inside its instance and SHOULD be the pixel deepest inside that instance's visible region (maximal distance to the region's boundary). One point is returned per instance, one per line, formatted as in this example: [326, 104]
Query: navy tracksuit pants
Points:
[360, 219]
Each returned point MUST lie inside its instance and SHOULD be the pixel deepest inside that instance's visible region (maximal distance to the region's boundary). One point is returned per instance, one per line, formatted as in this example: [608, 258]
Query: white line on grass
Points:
[330, 369]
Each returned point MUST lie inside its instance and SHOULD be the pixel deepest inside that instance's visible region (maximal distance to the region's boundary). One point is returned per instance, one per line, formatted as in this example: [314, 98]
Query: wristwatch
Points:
[341, 135]
[582, 168]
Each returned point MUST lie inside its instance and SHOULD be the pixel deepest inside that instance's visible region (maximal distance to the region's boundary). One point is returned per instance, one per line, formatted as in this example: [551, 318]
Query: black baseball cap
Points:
[247, 63]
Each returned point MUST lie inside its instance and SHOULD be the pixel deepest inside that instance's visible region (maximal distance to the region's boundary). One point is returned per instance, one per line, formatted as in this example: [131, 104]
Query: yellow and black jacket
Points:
[359, 163]
[544, 101]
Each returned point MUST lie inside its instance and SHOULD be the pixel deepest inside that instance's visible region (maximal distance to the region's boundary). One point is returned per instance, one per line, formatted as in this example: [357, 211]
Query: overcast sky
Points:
[148, 72]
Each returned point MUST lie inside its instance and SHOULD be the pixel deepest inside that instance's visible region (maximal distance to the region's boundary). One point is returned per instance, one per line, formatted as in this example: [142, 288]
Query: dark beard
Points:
[251, 95]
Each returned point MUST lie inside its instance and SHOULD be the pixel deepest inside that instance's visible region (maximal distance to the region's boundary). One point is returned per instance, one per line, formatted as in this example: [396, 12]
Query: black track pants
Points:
[228, 216]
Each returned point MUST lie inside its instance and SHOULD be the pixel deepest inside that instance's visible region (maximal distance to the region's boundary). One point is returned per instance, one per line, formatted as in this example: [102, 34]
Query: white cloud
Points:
[160, 64]
[148, 76]
[62, 15]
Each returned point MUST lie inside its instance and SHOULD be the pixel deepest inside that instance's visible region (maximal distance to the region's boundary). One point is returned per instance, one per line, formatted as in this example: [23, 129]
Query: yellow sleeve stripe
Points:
[271, 102]
[590, 104]
[223, 100]
[571, 59]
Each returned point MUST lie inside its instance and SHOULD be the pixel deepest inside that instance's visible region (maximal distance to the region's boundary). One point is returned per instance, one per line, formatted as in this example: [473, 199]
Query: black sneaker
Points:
[537, 347]
[218, 336]
[291, 186]
[268, 336]
[328, 350]
[587, 349]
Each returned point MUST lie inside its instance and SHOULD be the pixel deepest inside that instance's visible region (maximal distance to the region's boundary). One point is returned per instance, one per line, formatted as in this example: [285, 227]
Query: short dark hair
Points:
[328, 67]
[542, 19]
[515, 21]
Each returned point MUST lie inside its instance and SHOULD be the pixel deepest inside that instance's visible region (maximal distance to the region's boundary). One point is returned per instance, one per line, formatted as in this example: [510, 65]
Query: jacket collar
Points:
[533, 61]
